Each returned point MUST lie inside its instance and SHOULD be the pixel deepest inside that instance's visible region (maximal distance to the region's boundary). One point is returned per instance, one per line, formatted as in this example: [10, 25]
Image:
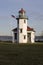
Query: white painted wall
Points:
[13, 37]
[25, 32]
[32, 37]
[22, 26]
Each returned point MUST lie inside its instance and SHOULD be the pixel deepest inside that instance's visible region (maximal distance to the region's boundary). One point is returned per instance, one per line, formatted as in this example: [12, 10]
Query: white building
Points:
[23, 33]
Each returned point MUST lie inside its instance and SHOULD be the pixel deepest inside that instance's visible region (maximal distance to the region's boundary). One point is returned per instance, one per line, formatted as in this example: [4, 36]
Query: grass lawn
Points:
[21, 54]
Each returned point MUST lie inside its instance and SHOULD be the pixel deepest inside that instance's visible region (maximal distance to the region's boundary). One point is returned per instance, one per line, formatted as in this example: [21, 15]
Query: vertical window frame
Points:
[24, 36]
[20, 30]
[24, 21]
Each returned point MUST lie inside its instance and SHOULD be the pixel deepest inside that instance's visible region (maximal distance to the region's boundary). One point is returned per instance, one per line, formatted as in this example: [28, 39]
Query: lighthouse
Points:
[23, 33]
[22, 26]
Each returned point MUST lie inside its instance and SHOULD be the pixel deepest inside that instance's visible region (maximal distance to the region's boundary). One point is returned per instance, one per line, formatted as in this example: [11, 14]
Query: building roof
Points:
[28, 29]
[14, 29]
[22, 10]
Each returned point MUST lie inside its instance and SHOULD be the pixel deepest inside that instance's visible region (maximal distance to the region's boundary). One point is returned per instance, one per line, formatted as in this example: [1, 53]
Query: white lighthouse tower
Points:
[22, 27]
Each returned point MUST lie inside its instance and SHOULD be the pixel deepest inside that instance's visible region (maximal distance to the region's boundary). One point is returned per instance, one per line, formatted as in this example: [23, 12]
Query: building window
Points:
[24, 21]
[24, 36]
[20, 30]
[15, 35]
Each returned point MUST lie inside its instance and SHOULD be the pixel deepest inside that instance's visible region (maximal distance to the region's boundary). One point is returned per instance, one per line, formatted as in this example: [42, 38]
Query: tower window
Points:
[20, 30]
[24, 21]
[24, 36]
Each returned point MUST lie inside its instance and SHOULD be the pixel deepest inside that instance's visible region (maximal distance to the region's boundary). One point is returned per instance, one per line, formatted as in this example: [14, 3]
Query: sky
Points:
[34, 11]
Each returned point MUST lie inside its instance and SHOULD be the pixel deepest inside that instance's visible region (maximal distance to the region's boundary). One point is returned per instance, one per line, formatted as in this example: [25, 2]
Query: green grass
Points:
[21, 54]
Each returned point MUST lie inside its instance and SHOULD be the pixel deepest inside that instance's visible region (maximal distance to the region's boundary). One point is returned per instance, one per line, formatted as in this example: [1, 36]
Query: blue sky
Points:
[34, 11]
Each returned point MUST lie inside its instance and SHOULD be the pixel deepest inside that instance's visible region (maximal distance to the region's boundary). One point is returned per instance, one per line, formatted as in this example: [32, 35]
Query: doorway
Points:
[28, 37]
